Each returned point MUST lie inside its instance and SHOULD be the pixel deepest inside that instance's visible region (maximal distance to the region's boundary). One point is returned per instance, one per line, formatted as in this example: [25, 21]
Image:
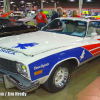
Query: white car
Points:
[30, 20]
[48, 56]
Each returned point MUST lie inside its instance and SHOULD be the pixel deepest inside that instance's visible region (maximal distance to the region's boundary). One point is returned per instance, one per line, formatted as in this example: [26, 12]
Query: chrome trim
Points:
[15, 80]
[20, 85]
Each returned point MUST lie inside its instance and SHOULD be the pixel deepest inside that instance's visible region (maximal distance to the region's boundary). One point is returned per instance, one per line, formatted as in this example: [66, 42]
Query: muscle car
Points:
[50, 55]
[8, 28]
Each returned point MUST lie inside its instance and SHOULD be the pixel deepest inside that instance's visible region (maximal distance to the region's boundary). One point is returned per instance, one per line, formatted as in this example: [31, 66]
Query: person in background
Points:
[64, 14]
[85, 14]
[90, 13]
[22, 16]
[57, 14]
[41, 19]
[75, 14]
[28, 14]
[51, 12]
[38, 11]
[25, 14]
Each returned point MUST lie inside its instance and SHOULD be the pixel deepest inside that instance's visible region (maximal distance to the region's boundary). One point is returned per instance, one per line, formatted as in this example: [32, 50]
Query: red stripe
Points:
[98, 39]
[96, 50]
[96, 54]
[92, 46]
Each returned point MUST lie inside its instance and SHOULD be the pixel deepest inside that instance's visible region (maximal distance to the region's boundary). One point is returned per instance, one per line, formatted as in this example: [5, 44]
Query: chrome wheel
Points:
[61, 77]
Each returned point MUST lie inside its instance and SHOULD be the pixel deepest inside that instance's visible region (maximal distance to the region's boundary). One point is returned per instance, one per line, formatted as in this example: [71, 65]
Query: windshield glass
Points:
[68, 27]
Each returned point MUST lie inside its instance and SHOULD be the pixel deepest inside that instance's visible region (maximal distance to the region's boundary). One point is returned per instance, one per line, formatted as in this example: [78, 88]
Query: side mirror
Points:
[94, 34]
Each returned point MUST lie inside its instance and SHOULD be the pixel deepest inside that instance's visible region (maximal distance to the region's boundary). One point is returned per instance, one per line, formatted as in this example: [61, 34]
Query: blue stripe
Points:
[51, 60]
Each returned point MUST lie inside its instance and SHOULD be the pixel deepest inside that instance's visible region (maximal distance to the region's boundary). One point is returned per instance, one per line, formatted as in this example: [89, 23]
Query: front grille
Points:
[8, 65]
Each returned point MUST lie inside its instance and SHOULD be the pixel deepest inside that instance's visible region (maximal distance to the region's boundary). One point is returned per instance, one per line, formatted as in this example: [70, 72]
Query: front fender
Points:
[62, 62]
[43, 67]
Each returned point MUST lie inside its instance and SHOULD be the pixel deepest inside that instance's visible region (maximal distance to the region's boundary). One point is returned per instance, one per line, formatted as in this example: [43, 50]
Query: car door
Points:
[92, 42]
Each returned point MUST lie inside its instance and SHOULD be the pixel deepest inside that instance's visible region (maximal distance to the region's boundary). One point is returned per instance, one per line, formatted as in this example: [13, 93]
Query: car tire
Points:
[59, 78]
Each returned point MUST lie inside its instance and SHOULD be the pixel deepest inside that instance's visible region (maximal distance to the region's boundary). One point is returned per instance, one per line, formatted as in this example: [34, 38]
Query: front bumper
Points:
[15, 80]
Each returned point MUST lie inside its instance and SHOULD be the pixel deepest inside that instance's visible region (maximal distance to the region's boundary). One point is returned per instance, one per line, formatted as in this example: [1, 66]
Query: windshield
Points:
[68, 27]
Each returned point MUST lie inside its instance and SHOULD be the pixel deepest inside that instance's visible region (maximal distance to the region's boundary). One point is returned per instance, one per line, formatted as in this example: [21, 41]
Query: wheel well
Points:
[73, 63]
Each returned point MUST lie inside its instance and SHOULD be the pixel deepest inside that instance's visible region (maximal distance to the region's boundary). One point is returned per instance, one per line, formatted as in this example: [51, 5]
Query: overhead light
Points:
[89, 0]
[57, 1]
[12, 2]
[71, 0]
[1, 1]
[33, 2]
[22, 2]
[43, 0]
[52, 1]
[28, 3]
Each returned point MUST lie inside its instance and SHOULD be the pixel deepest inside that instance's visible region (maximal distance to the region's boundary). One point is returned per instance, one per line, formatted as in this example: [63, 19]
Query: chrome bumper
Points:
[15, 80]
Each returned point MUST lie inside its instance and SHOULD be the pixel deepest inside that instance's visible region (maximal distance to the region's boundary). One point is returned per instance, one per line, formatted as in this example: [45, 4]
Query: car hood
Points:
[27, 19]
[38, 42]
[23, 19]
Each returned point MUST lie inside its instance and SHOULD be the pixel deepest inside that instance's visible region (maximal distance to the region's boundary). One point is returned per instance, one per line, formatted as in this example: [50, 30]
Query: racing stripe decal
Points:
[97, 53]
[43, 66]
[93, 48]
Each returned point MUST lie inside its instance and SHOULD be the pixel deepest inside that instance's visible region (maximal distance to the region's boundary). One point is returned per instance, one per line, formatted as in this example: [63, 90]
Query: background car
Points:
[8, 28]
[15, 17]
[31, 20]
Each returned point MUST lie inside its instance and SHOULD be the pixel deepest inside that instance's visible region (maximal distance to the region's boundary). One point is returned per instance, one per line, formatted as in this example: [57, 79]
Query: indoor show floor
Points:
[84, 85]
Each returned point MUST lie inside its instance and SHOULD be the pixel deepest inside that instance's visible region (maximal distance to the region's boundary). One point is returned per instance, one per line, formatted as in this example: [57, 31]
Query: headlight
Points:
[21, 68]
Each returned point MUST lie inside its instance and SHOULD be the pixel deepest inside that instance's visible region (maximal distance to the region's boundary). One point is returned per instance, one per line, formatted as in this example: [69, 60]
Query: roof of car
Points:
[77, 19]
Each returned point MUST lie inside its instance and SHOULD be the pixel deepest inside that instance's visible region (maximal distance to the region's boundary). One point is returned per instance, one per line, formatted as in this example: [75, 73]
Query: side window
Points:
[56, 24]
[98, 29]
[93, 28]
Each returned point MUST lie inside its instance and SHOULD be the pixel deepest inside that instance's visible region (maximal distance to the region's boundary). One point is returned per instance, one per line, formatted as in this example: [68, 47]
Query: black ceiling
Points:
[38, 2]
[18, 1]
